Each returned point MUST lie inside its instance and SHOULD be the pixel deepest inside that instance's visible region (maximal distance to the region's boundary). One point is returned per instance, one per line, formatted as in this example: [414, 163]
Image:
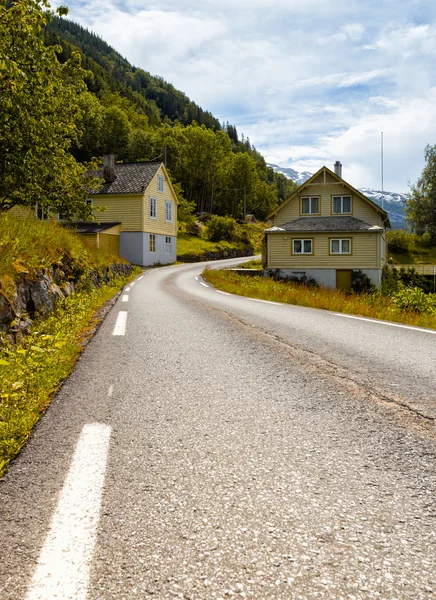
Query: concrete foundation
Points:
[135, 247]
[327, 277]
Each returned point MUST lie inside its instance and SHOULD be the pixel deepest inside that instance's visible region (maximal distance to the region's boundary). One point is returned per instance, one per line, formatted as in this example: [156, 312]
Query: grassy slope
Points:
[373, 306]
[423, 256]
[32, 372]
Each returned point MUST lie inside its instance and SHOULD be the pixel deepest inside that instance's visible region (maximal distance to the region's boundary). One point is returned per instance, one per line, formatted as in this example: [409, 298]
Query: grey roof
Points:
[314, 224]
[91, 227]
[130, 178]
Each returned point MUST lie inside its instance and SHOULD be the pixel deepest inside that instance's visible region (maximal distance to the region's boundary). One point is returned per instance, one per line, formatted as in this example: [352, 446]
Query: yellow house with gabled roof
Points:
[141, 198]
[326, 230]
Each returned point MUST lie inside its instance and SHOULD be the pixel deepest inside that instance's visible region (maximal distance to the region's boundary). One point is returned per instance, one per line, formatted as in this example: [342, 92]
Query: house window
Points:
[340, 246]
[168, 244]
[152, 242]
[152, 208]
[302, 246]
[160, 183]
[341, 205]
[169, 212]
[310, 205]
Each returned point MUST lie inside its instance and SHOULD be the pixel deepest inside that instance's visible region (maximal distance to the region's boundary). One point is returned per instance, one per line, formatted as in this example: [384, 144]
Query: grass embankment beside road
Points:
[33, 369]
[374, 306]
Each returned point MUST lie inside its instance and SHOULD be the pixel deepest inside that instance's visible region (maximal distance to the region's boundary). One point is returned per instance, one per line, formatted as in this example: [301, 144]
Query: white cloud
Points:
[309, 82]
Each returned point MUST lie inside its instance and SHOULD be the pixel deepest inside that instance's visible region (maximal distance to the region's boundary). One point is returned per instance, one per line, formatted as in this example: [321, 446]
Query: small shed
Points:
[105, 236]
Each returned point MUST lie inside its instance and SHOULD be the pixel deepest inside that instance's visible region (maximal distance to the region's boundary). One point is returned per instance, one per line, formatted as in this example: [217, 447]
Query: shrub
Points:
[410, 278]
[221, 228]
[361, 283]
[193, 228]
[415, 299]
[401, 241]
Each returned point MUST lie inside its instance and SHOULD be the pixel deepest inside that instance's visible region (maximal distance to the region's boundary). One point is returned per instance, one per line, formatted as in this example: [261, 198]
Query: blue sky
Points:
[309, 81]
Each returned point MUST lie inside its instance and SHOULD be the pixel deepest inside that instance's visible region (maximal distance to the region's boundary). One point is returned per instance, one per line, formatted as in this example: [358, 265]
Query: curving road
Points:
[212, 446]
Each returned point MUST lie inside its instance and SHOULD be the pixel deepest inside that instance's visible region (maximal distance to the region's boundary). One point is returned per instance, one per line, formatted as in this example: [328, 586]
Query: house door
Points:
[343, 279]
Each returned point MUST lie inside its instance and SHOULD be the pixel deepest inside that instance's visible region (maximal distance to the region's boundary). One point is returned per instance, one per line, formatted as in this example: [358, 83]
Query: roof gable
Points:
[325, 175]
[130, 178]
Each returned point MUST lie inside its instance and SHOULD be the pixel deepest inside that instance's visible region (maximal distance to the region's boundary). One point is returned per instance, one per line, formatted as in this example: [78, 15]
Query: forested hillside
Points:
[136, 115]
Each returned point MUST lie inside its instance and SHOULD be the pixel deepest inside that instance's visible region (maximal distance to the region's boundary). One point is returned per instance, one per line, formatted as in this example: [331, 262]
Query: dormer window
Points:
[160, 183]
[341, 205]
[310, 205]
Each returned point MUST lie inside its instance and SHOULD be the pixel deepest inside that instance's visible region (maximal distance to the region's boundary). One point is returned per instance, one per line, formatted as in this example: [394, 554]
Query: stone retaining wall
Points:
[38, 295]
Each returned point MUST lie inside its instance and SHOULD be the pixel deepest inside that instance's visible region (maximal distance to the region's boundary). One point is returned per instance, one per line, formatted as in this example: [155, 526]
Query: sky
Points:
[308, 81]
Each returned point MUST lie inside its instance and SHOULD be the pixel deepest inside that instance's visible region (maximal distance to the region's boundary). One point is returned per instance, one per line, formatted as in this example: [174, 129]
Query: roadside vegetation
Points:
[33, 367]
[211, 236]
[394, 302]
[410, 248]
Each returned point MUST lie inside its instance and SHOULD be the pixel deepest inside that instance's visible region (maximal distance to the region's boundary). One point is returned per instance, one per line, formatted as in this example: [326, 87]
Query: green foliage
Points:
[221, 228]
[39, 108]
[421, 203]
[115, 132]
[361, 283]
[400, 241]
[415, 299]
[32, 372]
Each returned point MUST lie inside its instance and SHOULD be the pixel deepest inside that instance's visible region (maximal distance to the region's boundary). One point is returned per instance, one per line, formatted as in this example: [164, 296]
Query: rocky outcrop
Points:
[38, 294]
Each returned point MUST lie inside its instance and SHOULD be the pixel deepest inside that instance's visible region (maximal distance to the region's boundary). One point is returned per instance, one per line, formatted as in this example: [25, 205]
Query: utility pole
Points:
[382, 183]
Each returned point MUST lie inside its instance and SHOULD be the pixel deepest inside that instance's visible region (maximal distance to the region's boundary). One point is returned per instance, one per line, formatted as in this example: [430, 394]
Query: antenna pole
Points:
[382, 183]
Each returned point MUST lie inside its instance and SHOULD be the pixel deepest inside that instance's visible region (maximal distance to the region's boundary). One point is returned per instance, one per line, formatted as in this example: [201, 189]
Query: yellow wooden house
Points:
[326, 230]
[139, 200]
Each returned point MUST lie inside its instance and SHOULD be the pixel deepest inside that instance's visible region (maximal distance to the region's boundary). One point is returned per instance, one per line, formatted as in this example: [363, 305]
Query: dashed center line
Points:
[205, 284]
[139, 278]
[120, 325]
[110, 391]
[65, 560]
[224, 293]
[196, 278]
[133, 283]
[125, 298]
[127, 289]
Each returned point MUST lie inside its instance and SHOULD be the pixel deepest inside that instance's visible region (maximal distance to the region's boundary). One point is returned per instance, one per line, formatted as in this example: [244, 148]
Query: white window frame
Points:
[340, 240]
[168, 244]
[153, 208]
[152, 243]
[169, 211]
[342, 212]
[302, 240]
[160, 183]
[310, 198]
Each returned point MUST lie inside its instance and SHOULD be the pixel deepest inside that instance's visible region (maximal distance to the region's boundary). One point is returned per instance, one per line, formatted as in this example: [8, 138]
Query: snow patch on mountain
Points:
[394, 202]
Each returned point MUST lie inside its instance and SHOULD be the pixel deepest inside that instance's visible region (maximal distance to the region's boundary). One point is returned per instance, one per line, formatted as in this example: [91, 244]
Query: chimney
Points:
[338, 168]
[109, 168]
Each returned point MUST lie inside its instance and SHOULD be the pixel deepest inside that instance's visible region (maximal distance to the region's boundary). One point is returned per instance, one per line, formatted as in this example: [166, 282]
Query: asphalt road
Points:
[210, 446]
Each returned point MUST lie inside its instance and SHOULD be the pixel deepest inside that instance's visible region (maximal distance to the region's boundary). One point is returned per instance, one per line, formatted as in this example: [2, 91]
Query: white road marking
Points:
[139, 278]
[65, 560]
[120, 325]
[110, 391]
[127, 289]
[421, 329]
[125, 298]
[225, 293]
[196, 278]
[205, 285]
[265, 301]
[132, 284]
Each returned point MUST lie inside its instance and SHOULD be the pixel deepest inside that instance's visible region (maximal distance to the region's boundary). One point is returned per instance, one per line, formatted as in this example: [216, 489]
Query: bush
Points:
[400, 241]
[221, 229]
[193, 228]
[415, 299]
[361, 283]
[410, 278]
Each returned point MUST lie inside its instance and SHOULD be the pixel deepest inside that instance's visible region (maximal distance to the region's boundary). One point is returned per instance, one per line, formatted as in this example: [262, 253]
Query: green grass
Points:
[422, 256]
[251, 264]
[31, 373]
[373, 306]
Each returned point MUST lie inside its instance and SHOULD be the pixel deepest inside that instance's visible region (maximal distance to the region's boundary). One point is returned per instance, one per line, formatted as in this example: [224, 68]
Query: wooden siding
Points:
[360, 209]
[365, 252]
[160, 225]
[126, 208]
[22, 211]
